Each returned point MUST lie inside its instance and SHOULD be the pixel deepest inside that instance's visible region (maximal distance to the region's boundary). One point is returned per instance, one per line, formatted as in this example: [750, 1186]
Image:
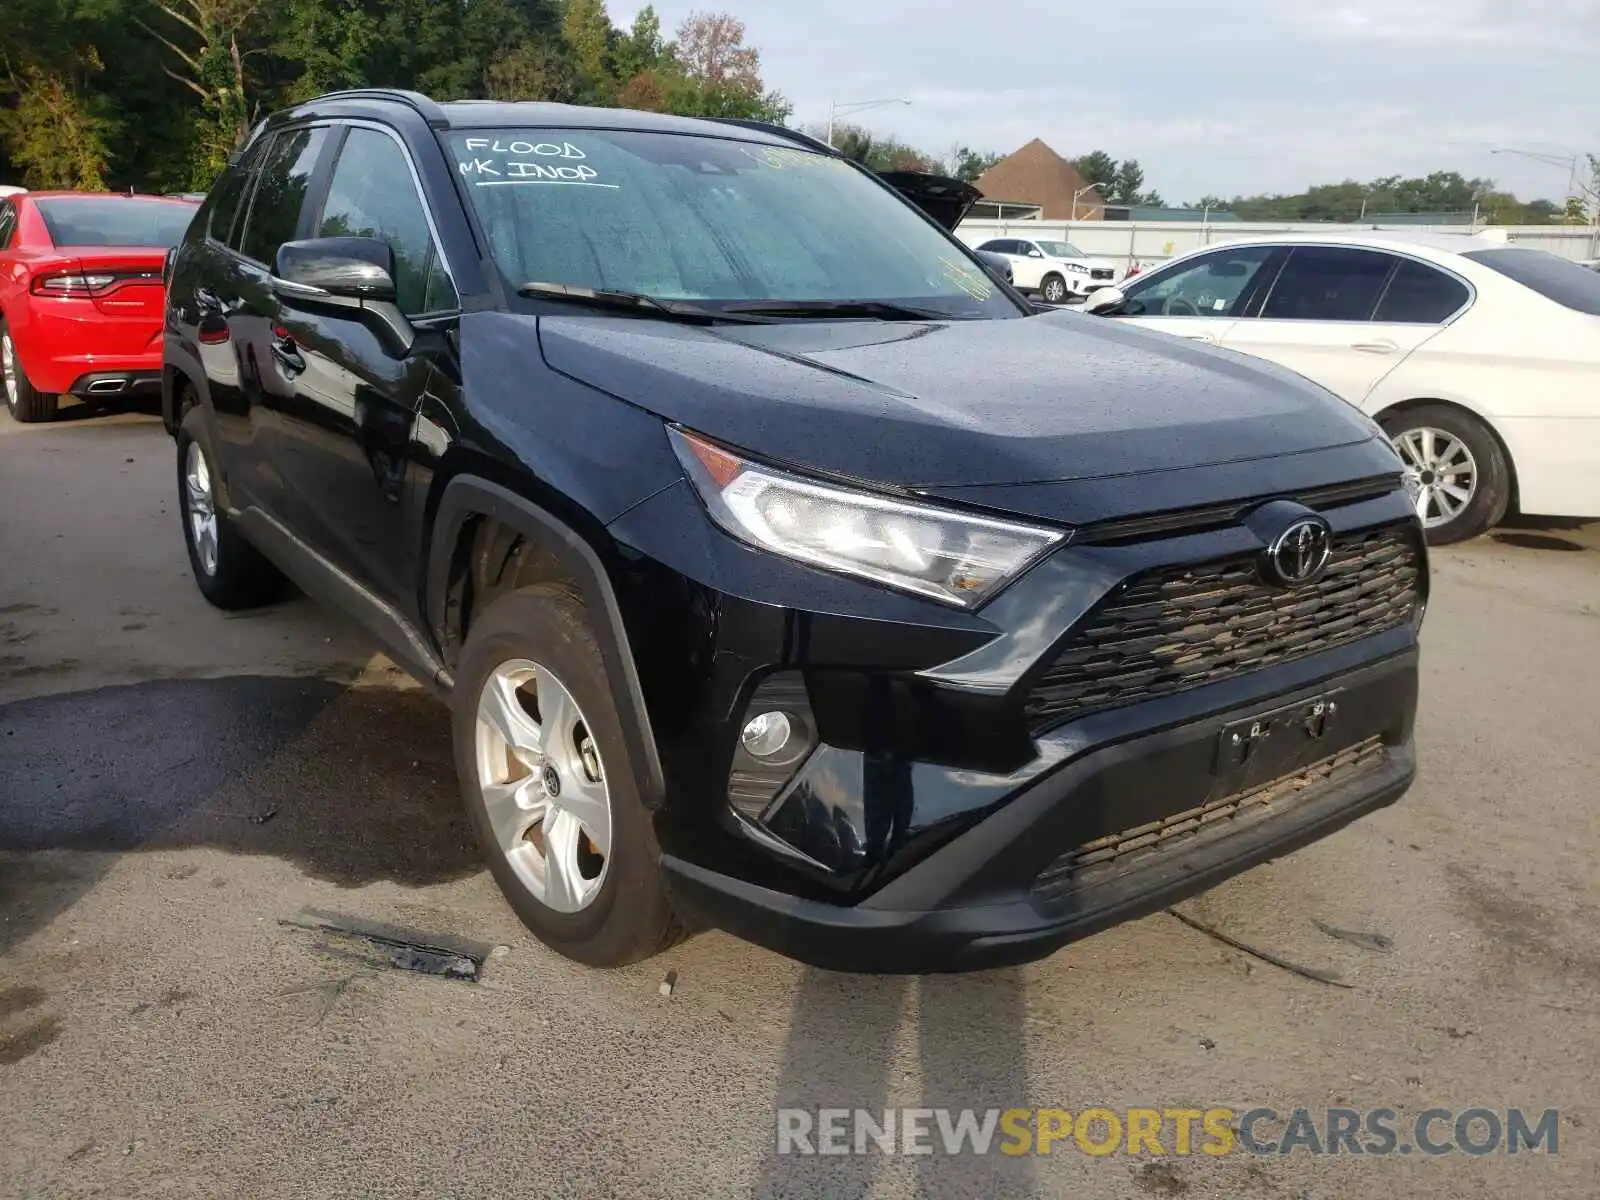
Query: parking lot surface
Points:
[194, 804]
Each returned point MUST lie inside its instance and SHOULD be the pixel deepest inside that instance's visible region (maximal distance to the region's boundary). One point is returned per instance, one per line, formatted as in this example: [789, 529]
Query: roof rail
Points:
[781, 131]
[427, 109]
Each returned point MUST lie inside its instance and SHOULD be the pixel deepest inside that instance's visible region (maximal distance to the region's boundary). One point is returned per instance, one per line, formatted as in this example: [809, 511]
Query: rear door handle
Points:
[1200, 337]
[1381, 346]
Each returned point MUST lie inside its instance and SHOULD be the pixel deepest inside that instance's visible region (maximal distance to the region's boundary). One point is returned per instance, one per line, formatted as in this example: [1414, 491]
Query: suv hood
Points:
[1059, 396]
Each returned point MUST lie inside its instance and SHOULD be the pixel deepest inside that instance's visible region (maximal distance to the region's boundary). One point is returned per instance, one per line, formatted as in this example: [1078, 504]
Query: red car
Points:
[81, 295]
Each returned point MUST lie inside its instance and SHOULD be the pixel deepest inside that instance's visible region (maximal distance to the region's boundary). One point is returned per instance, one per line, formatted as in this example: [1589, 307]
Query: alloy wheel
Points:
[542, 785]
[1054, 291]
[8, 369]
[1442, 471]
[201, 506]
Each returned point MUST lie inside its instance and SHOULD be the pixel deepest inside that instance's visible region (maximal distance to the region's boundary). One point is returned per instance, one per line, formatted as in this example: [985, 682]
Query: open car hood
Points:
[944, 199]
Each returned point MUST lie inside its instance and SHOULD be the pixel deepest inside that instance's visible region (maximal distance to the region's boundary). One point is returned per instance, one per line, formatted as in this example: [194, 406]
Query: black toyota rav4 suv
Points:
[784, 570]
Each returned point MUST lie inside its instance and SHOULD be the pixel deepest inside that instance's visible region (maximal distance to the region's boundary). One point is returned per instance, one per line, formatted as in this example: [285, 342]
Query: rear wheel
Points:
[1053, 290]
[228, 570]
[1457, 468]
[539, 756]
[23, 401]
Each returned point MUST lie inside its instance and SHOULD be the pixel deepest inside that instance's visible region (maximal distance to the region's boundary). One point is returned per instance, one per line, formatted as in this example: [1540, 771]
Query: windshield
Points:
[1061, 250]
[114, 220]
[680, 217]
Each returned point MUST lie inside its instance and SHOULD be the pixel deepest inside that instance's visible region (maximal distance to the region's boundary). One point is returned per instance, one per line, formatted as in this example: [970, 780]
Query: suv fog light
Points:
[767, 735]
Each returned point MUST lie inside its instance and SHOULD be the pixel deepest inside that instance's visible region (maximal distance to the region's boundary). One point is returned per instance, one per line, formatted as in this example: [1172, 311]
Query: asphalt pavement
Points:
[224, 840]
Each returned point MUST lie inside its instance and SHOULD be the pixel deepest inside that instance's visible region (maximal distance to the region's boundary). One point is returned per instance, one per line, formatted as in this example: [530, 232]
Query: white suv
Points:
[1058, 271]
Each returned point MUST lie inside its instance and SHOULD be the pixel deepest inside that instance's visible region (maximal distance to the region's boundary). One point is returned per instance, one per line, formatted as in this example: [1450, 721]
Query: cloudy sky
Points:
[1223, 97]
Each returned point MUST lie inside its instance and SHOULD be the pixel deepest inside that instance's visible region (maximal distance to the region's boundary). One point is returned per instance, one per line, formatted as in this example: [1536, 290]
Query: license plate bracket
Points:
[1269, 745]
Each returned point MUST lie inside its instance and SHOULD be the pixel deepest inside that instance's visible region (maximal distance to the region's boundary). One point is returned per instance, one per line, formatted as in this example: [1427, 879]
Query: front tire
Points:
[1053, 290]
[24, 402]
[228, 570]
[543, 773]
[1458, 467]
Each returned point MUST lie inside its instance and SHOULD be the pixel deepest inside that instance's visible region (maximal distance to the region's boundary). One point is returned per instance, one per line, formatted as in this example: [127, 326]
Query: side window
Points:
[995, 246]
[225, 198]
[1214, 285]
[373, 194]
[286, 171]
[1328, 283]
[1420, 295]
[8, 222]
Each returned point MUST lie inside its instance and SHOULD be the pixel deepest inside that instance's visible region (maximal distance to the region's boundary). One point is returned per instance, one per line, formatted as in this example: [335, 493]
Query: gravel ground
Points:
[182, 794]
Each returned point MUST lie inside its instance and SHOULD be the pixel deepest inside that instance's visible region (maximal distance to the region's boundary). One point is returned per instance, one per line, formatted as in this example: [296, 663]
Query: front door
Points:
[347, 442]
[1201, 298]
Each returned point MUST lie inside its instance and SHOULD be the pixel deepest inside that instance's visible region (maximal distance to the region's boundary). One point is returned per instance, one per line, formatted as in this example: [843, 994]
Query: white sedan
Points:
[1481, 360]
[1058, 271]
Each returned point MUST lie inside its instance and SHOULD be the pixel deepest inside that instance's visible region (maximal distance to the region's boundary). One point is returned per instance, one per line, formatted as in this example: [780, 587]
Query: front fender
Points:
[467, 497]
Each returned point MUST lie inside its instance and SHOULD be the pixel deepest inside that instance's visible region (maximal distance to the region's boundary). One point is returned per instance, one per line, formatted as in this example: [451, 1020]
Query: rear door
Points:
[1318, 318]
[1201, 298]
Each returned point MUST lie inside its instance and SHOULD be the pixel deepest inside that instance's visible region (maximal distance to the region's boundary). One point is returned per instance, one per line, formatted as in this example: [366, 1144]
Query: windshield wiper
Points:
[626, 301]
[881, 309]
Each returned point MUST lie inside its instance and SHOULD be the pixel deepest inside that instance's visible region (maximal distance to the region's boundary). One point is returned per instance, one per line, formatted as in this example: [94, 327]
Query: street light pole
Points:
[1086, 188]
[1575, 186]
[836, 110]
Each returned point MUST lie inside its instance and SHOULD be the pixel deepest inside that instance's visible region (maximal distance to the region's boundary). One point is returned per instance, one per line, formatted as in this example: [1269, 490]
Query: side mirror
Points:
[350, 268]
[1104, 301]
[346, 273]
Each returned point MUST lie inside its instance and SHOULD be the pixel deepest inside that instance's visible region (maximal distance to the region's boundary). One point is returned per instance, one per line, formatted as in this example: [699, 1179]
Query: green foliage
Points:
[967, 163]
[1097, 167]
[1444, 192]
[183, 81]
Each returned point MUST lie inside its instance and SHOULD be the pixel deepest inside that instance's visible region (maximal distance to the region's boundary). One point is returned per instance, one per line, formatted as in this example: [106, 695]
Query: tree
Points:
[530, 71]
[1097, 167]
[717, 75]
[586, 29]
[213, 63]
[641, 49]
[57, 135]
[1126, 182]
[967, 163]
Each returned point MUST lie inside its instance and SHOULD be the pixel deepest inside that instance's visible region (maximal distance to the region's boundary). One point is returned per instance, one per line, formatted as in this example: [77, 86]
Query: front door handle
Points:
[1380, 346]
[1200, 337]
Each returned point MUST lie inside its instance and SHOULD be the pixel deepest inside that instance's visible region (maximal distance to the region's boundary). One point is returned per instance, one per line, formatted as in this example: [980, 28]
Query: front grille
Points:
[1120, 853]
[1180, 627]
[1100, 273]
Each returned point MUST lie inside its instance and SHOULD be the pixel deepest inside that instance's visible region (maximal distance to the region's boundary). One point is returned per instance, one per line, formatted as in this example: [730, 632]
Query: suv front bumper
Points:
[996, 895]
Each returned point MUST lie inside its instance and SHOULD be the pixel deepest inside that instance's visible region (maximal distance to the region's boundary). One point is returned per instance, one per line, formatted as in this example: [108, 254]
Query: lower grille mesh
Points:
[1117, 853]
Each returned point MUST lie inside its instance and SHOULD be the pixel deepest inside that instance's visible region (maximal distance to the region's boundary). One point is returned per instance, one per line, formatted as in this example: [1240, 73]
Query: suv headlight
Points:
[1079, 268]
[951, 556]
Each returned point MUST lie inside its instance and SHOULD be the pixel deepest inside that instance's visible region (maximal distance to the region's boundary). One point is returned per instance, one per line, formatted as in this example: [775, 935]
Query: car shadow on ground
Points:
[842, 1053]
[351, 784]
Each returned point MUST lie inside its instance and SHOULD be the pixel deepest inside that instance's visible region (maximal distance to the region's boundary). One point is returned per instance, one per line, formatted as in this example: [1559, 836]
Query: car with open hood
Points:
[782, 569]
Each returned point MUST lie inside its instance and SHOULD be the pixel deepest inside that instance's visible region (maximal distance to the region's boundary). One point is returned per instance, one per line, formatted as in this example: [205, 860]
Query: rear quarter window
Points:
[1567, 283]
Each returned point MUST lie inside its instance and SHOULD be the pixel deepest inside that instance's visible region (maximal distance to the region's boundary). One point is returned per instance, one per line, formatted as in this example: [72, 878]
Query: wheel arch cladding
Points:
[1403, 406]
[469, 501]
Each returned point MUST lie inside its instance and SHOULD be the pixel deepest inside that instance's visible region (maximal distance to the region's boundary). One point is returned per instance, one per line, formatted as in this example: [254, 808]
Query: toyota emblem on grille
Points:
[1299, 554]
